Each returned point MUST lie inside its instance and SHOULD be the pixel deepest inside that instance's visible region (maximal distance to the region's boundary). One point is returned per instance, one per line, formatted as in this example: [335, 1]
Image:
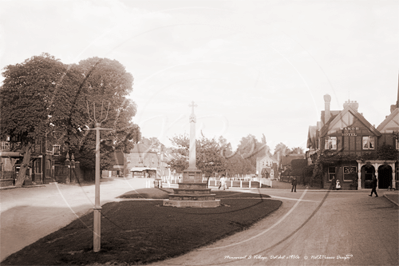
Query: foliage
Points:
[387, 152]
[208, 157]
[297, 150]
[44, 98]
[35, 100]
[282, 149]
[107, 84]
[298, 166]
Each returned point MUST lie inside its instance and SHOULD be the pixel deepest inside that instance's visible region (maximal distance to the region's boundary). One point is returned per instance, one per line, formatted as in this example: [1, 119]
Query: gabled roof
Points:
[346, 118]
[391, 123]
[332, 114]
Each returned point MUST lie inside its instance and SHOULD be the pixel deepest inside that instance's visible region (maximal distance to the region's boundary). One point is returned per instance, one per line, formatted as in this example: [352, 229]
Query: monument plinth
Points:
[192, 192]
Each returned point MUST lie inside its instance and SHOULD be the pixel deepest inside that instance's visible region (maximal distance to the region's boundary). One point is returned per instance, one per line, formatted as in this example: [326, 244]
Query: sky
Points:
[251, 67]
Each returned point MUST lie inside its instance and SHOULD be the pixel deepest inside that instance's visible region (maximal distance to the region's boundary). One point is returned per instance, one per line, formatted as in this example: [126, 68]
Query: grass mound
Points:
[139, 232]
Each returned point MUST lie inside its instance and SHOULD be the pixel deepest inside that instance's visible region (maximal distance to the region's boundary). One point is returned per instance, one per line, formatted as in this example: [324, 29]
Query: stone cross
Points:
[192, 155]
[192, 116]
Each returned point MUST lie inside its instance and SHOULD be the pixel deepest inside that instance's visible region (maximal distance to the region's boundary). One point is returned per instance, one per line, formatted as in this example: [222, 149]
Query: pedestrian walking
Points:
[338, 185]
[374, 186]
[293, 183]
[223, 182]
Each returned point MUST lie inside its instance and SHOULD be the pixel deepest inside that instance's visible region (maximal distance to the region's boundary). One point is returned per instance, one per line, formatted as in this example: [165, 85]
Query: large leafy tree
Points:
[104, 91]
[35, 99]
[42, 96]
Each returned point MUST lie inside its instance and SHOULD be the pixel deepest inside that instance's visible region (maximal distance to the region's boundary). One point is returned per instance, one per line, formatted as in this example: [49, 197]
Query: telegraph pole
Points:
[97, 204]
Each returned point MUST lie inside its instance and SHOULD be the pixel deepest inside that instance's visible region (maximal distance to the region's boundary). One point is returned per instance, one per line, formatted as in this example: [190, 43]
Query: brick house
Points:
[347, 147]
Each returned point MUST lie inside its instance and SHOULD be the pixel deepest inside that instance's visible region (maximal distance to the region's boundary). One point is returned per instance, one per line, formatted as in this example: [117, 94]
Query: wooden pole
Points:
[97, 203]
[97, 206]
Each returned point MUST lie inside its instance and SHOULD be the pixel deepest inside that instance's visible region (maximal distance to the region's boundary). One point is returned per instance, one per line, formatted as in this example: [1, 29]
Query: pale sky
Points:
[252, 67]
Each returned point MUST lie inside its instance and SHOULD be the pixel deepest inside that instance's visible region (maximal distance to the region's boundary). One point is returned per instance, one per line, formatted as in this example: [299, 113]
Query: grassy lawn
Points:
[139, 232]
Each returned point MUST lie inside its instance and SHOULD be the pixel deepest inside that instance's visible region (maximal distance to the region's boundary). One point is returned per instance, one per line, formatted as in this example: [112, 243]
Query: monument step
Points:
[191, 197]
[193, 185]
[192, 190]
[192, 203]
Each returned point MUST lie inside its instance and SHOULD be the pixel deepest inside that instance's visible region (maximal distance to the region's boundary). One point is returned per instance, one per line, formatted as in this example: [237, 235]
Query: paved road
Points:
[337, 228]
[28, 214]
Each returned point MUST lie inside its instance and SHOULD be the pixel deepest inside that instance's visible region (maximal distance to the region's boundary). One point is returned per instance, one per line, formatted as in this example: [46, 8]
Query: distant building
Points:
[267, 166]
[146, 161]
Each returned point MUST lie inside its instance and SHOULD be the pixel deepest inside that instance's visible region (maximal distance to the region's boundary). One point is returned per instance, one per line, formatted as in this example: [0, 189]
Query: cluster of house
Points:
[345, 147]
[343, 143]
[51, 163]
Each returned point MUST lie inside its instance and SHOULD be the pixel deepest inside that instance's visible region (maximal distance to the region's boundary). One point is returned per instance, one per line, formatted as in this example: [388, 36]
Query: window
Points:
[350, 173]
[56, 149]
[368, 143]
[37, 166]
[331, 143]
[331, 173]
[397, 144]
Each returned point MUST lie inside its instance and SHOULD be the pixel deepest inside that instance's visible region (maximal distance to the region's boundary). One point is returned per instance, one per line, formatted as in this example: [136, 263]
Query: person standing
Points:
[293, 183]
[374, 186]
[333, 183]
[338, 185]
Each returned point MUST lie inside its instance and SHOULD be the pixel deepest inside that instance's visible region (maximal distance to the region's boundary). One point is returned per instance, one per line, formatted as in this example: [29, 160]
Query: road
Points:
[311, 228]
[28, 214]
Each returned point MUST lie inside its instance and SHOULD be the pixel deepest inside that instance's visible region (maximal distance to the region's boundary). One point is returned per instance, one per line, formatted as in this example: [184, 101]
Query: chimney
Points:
[353, 104]
[327, 114]
[394, 106]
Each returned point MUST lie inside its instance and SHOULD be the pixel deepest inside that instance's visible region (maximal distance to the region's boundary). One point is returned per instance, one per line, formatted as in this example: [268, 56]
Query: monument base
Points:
[192, 195]
[192, 176]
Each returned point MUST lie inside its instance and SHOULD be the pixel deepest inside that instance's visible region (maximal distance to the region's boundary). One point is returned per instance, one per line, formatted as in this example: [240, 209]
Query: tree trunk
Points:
[25, 162]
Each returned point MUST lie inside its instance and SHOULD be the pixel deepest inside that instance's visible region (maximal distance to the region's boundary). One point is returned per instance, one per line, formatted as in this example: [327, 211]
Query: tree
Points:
[35, 99]
[296, 150]
[42, 95]
[282, 149]
[208, 157]
[107, 84]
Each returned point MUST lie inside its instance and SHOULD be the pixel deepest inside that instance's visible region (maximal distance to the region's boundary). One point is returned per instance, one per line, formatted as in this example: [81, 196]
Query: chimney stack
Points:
[353, 104]
[327, 114]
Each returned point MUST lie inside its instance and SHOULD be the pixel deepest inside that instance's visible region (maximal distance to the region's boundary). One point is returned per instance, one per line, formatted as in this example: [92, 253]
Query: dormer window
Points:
[368, 143]
[331, 143]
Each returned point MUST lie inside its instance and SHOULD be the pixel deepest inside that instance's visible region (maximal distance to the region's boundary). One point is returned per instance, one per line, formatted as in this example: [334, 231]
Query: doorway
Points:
[385, 176]
[367, 175]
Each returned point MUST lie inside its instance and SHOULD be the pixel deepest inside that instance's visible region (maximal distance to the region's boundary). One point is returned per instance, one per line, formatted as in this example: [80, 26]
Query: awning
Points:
[141, 169]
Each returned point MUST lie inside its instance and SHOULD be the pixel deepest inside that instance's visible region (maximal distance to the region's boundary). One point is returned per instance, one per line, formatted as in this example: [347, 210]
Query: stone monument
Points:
[192, 192]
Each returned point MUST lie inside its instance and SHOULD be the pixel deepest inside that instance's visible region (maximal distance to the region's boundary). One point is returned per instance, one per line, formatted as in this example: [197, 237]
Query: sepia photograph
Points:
[199, 132]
